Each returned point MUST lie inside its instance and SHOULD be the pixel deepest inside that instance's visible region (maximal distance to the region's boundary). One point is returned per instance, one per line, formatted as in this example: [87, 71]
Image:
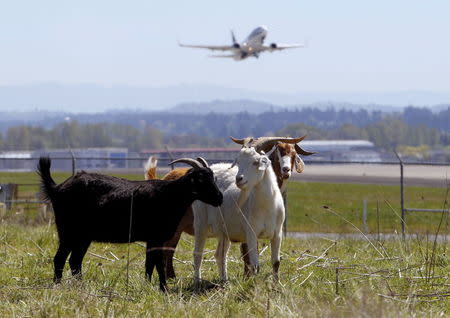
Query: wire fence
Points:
[73, 163]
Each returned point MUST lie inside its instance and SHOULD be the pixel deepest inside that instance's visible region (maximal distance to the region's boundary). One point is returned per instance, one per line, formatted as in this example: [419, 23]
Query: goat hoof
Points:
[171, 276]
[163, 288]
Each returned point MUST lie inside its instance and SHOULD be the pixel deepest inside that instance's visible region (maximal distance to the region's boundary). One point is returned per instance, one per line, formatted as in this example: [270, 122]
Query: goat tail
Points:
[150, 168]
[47, 183]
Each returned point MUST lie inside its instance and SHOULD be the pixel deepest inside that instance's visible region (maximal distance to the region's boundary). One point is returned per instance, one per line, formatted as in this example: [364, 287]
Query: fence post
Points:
[73, 161]
[8, 192]
[170, 156]
[402, 194]
[366, 228]
[285, 213]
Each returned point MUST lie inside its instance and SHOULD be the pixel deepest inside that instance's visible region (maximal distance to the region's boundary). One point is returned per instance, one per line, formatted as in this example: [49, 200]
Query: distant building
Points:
[17, 160]
[87, 158]
[342, 150]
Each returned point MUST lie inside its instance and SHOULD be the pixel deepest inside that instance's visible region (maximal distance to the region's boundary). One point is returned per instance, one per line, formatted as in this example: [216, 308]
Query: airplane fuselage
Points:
[252, 45]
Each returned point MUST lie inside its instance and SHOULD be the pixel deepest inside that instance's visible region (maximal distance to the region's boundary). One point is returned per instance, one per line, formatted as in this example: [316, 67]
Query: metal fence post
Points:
[366, 228]
[285, 213]
[402, 194]
[8, 193]
[73, 161]
[170, 156]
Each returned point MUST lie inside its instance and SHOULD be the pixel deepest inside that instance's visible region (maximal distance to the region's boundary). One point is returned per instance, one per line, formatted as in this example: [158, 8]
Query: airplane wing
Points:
[225, 56]
[278, 46]
[209, 47]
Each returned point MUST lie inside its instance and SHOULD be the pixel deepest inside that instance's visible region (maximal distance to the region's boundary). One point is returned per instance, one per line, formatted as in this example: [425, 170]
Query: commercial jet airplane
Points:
[253, 45]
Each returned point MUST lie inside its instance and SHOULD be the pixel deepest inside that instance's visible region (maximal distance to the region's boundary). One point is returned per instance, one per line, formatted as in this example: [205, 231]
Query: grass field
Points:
[319, 277]
[306, 202]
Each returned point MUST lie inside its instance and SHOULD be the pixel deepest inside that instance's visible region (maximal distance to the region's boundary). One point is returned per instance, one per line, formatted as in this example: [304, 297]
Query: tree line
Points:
[77, 135]
[387, 132]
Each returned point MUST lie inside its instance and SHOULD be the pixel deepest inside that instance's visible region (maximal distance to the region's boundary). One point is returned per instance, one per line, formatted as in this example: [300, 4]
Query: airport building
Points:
[87, 158]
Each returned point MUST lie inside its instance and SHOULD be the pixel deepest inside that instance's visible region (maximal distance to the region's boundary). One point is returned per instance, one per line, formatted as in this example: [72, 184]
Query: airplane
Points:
[253, 45]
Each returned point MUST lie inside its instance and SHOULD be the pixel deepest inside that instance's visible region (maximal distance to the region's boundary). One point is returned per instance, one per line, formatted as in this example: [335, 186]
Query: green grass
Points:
[306, 210]
[384, 279]
[306, 202]
[406, 279]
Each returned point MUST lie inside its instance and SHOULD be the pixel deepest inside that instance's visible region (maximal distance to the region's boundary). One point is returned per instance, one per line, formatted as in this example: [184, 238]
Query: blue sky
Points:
[353, 45]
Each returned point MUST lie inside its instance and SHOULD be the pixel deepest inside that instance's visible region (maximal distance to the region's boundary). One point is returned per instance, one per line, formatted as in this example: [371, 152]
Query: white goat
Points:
[252, 208]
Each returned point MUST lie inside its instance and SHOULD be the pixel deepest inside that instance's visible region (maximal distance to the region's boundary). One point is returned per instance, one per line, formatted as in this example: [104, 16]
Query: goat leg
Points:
[221, 257]
[59, 261]
[149, 261]
[170, 251]
[246, 258]
[158, 255]
[275, 245]
[76, 259]
[154, 257]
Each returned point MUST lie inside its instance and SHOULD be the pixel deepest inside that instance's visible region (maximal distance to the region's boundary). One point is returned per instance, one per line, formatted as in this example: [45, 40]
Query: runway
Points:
[414, 175]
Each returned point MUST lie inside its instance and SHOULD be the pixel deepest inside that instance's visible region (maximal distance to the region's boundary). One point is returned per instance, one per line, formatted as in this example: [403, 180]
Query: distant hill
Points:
[225, 107]
[90, 98]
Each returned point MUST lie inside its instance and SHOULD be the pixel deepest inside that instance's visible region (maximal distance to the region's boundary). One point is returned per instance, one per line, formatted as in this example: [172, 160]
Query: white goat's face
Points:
[251, 167]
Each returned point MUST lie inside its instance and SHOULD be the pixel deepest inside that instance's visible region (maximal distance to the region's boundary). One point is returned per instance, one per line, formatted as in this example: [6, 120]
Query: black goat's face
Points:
[204, 186]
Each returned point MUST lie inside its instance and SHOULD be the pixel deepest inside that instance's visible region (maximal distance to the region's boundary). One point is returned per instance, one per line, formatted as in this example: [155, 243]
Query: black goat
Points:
[94, 207]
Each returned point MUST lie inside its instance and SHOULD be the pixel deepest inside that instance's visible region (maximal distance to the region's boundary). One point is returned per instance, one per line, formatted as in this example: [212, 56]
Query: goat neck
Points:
[268, 185]
[182, 187]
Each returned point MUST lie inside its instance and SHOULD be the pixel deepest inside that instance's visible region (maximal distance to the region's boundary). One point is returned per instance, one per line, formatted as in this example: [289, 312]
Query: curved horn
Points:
[238, 141]
[244, 142]
[192, 162]
[302, 152]
[266, 143]
[203, 162]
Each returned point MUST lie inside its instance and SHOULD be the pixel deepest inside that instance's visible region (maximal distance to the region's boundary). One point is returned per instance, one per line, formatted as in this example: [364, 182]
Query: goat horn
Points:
[203, 162]
[192, 162]
[302, 152]
[245, 142]
[238, 141]
[266, 143]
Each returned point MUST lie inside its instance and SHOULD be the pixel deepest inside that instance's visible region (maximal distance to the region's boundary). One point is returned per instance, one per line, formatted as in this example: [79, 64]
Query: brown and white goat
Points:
[284, 160]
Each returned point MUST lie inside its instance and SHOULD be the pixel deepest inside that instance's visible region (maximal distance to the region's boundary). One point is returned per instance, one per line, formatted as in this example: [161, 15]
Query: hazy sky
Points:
[353, 45]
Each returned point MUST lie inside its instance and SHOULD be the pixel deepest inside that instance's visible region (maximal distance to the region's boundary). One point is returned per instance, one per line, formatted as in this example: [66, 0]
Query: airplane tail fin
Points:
[233, 38]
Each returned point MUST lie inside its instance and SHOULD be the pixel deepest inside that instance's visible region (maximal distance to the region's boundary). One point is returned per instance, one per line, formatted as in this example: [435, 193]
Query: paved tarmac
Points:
[414, 175]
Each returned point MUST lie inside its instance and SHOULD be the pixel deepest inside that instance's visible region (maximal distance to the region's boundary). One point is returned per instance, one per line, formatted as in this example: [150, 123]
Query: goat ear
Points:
[264, 163]
[272, 150]
[299, 164]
